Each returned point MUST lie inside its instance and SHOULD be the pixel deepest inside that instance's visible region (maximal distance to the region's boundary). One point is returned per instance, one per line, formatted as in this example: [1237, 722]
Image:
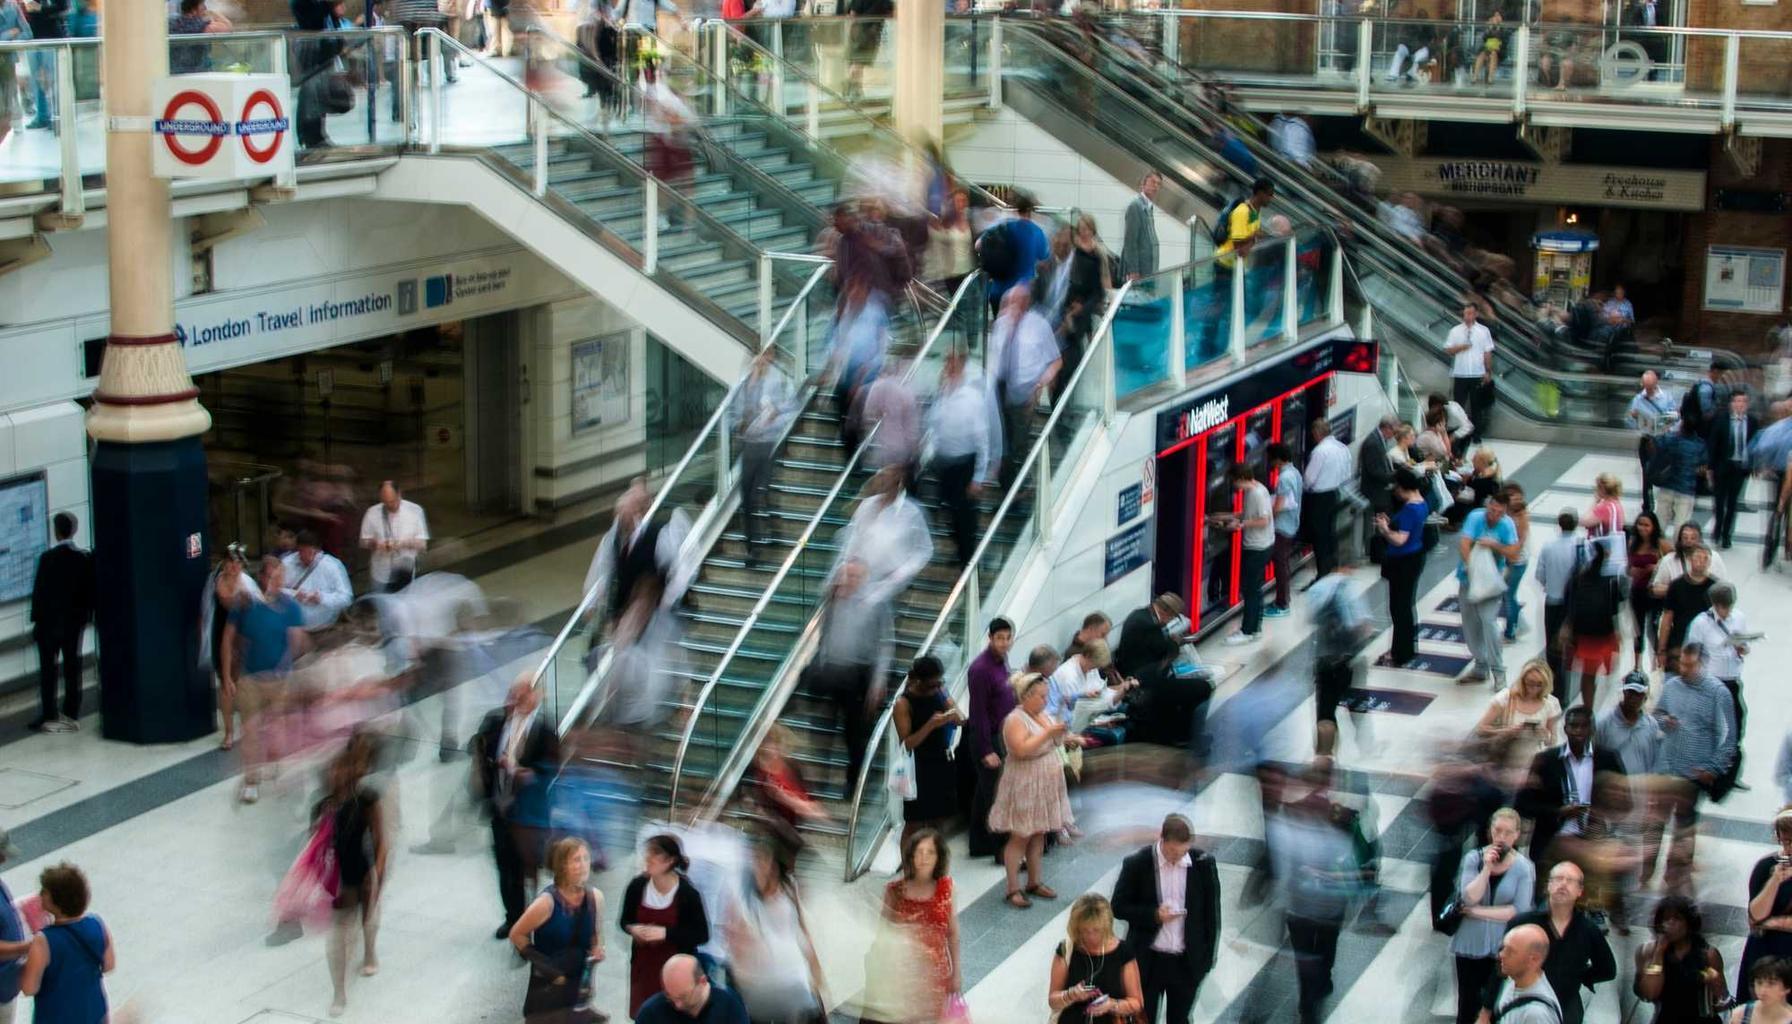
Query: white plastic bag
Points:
[1485, 580]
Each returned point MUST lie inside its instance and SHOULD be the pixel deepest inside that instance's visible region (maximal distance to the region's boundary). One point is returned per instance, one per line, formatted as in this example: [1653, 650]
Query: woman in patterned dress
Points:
[1031, 799]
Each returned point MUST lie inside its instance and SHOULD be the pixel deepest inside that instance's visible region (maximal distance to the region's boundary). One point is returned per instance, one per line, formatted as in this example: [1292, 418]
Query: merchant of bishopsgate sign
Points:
[1512, 180]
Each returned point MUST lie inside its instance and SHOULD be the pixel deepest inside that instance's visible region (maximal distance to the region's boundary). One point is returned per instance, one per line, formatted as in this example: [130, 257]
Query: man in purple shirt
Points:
[991, 700]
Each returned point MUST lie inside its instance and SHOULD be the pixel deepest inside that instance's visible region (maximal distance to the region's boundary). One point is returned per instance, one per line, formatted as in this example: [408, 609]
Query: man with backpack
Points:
[1010, 251]
[1234, 234]
[1525, 996]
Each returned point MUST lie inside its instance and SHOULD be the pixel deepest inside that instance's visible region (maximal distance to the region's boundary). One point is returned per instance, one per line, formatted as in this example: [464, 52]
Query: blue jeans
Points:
[43, 69]
[1514, 575]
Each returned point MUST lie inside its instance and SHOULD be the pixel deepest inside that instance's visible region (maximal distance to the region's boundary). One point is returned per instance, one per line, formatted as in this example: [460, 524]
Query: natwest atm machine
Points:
[1201, 438]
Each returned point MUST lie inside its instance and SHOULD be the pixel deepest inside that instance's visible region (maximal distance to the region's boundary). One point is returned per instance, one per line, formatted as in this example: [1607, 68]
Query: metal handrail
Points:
[659, 500]
[1103, 340]
[1234, 15]
[709, 686]
[738, 36]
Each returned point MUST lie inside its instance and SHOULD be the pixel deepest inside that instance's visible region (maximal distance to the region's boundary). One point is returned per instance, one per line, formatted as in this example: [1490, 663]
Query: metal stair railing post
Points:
[968, 579]
[434, 46]
[74, 197]
[1521, 70]
[777, 686]
[995, 64]
[717, 424]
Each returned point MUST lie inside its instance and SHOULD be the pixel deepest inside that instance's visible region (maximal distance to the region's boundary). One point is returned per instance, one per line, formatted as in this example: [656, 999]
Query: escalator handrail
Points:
[590, 138]
[767, 182]
[719, 783]
[1103, 338]
[712, 425]
[738, 37]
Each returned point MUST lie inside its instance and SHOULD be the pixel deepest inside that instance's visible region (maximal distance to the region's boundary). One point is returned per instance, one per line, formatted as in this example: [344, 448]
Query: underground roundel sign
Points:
[222, 126]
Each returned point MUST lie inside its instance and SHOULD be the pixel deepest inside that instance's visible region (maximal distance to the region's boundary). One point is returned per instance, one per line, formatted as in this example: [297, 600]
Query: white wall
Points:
[565, 465]
[1004, 147]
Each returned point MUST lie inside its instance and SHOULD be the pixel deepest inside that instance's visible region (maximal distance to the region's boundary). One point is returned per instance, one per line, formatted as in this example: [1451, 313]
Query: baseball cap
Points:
[1636, 682]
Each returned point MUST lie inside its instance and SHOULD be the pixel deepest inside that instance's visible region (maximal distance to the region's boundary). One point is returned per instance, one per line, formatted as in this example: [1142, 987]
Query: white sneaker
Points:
[1241, 638]
[60, 724]
[250, 794]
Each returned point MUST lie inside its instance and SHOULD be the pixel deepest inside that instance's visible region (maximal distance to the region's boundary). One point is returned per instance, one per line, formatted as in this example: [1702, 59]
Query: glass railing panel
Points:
[967, 68]
[1206, 316]
[1764, 64]
[486, 108]
[1631, 65]
[1144, 333]
[226, 54]
[1430, 56]
[1265, 289]
[33, 154]
[1313, 256]
[1291, 51]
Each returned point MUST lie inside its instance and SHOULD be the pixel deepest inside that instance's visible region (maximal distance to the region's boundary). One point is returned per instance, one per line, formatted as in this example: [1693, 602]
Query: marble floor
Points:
[184, 875]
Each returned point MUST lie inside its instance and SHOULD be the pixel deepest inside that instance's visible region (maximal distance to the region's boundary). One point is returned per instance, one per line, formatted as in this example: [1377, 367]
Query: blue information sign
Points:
[1130, 502]
[1127, 550]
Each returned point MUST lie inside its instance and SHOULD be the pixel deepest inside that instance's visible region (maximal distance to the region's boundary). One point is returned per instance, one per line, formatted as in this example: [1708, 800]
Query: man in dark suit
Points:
[518, 753]
[1138, 248]
[1374, 470]
[1147, 652]
[1727, 441]
[1169, 896]
[61, 607]
[1563, 785]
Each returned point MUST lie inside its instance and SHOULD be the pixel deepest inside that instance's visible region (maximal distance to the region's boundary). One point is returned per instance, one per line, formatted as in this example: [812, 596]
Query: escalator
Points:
[1412, 300]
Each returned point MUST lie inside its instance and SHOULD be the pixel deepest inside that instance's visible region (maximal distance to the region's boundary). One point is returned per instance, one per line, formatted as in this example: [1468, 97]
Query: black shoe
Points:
[503, 932]
[1725, 545]
[37, 724]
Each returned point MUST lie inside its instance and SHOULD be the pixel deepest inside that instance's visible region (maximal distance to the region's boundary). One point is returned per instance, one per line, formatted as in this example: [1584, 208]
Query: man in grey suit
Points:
[1138, 254]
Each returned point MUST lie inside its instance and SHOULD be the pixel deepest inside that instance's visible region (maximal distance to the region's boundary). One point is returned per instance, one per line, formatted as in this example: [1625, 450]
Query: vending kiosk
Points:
[1201, 438]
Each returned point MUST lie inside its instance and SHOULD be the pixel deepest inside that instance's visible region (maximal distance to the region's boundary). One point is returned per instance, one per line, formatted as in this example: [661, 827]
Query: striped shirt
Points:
[1705, 739]
[398, 11]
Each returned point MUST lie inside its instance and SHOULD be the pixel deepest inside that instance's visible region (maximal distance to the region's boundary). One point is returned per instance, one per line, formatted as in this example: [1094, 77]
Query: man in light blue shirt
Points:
[1289, 488]
[1487, 527]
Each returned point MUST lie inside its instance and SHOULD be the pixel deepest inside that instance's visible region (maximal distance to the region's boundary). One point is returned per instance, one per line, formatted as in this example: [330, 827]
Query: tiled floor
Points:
[184, 876]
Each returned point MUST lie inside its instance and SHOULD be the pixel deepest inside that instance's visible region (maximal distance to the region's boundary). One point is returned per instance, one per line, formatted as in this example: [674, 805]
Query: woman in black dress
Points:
[1769, 903]
[1086, 298]
[924, 718]
[1095, 976]
[359, 836]
[1679, 972]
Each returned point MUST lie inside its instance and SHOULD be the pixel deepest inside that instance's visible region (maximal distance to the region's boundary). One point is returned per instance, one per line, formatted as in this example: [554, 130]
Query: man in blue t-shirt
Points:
[1487, 527]
[1026, 244]
[260, 642]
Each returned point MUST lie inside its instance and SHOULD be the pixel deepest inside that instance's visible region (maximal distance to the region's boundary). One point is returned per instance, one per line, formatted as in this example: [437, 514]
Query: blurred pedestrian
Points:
[515, 753]
[361, 842]
[663, 913]
[1495, 884]
[671, 125]
[1722, 631]
[227, 589]
[777, 789]
[1309, 852]
[1679, 459]
[772, 961]
[261, 641]
[1329, 468]
[1487, 534]
[1562, 795]
[1594, 598]
[1031, 798]
[1647, 546]
[64, 971]
[852, 660]
[396, 531]
[1009, 251]
[948, 257]
[991, 700]
[16, 939]
[1341, 625]
[1402, 563]
[636, 548]
[860, 337]
[1698, 719]
[925, 720]
[62, 604]
[1085, 299]
[762, 409]
[888, 536]
[561, 934]
[1769, 903]
[1024, 355]
[1520, 511]
[1094, 975]
[1679, 971]
[916, 966]
[1169, 896]
[891, 409]
[964, 437]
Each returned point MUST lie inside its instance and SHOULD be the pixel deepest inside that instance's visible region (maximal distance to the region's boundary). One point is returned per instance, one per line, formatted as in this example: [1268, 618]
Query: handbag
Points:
[1485, 580]
[310, 887]
[902, 782]
[1450, 918]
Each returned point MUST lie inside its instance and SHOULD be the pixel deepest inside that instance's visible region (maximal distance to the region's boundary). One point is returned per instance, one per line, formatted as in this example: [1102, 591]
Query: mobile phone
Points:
[1100, 999]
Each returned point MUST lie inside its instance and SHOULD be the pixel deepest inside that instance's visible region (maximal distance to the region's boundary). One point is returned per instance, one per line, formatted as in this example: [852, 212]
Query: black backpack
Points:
[1222, 225]
[996, 252]
[1591, 602]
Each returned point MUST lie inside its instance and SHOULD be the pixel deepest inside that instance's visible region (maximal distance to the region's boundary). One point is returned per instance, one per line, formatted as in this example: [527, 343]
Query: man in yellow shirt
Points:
[1242, 223]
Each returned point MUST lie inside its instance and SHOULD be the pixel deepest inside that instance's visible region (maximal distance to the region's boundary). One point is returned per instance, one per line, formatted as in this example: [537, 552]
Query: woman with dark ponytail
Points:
[663, 913]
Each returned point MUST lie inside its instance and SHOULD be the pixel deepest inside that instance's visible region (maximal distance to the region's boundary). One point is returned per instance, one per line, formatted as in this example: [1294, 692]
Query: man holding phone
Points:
[1169, 896]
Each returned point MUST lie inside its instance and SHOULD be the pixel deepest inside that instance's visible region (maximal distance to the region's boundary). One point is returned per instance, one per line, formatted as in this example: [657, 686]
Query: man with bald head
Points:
[1651, 412]
[686, 994]
[1525, 996]
[1577, 954]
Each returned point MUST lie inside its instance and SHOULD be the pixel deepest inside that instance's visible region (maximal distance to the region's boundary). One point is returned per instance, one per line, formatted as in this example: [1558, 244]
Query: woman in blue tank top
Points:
[64, 968]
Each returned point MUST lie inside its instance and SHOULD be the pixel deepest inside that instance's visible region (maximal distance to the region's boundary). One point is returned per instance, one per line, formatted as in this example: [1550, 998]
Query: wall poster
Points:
[600, 382]
[1744, 280]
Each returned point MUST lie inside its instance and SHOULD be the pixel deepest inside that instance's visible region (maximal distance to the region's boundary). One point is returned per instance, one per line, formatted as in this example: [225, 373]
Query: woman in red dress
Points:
[921, 920]
[663, 912]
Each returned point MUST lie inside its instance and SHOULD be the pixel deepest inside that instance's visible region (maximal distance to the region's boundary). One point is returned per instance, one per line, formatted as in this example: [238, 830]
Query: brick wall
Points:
[1744, 332]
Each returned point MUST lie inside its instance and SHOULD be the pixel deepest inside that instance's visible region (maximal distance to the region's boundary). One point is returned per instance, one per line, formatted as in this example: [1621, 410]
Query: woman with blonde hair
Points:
[1031, 798]
[1605, 521]
[1094, 974]
[1524, 715]
[559, 935]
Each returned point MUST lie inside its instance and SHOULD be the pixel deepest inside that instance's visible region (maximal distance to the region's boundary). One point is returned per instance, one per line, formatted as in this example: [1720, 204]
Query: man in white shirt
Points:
[963, 434]
[1652, 411]
[318, 581]
[1255, 524]
[1024, 355]
[1470, 346]
[1169, 896]
[396, 531]
[634, 549]
[1292, 136]
[1079, 679]
[762, 407]
[888, 534]
[1328, 469]
[1719, 629]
